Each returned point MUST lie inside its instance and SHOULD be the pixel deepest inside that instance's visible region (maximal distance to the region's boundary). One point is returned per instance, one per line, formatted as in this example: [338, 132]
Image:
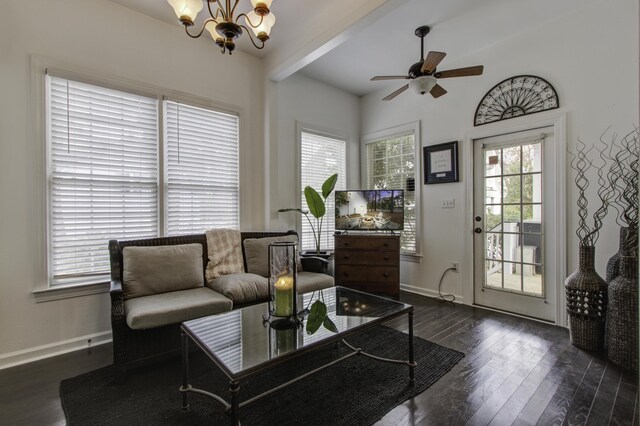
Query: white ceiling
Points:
[386, 45]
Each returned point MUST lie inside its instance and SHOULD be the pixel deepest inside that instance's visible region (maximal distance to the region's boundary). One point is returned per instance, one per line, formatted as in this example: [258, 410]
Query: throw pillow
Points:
[256, 251]
[225, 253]
[161, 269]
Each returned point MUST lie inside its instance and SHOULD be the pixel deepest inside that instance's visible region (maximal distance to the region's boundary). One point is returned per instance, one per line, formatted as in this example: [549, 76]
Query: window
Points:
[390, 164]
[321, 157]
[105, 179]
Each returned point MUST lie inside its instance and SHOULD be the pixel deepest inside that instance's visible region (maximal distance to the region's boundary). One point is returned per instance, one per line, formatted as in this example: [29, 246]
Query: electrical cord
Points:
[446, 297]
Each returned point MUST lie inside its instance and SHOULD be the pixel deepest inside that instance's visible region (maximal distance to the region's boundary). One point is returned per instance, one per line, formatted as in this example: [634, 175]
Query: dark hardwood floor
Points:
[515, 371]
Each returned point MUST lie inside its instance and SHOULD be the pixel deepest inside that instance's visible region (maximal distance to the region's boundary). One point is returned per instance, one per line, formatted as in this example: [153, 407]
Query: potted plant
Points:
[317, 208]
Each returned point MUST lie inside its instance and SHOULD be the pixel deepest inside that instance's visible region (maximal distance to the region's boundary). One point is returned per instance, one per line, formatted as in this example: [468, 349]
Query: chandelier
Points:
[223, 26]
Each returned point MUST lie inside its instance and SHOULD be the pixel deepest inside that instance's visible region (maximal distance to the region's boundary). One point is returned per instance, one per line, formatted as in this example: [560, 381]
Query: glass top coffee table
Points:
[241, 344]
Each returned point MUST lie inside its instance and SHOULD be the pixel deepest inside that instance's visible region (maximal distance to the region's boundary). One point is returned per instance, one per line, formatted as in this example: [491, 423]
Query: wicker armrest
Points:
[315, 264]
[116, 287]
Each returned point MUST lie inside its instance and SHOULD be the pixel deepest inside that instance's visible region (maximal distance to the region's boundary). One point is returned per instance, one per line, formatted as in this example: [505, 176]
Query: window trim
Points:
[320, 131]
[39, 212]
[392, 132]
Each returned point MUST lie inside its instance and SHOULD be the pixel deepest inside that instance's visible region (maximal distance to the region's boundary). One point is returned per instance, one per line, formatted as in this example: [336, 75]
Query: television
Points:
[370, 210]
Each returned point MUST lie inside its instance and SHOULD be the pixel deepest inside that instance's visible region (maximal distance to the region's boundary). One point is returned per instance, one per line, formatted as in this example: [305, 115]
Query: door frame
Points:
[557, 120]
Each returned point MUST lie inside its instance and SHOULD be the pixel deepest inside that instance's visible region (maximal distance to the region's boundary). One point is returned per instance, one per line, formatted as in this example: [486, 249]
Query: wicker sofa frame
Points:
[135, 347]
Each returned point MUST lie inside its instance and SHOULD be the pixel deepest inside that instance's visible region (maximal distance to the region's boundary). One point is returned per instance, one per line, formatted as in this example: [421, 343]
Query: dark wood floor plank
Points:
[556, 411]
[626, 396]
[578, 411]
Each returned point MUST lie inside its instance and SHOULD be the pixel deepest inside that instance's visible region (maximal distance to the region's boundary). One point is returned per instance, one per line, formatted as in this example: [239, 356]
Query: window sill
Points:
[69, 291]
[414, 258]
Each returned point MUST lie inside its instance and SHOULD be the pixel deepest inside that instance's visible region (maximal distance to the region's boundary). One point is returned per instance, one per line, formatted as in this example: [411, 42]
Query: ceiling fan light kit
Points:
[423, 75]
[223, 24]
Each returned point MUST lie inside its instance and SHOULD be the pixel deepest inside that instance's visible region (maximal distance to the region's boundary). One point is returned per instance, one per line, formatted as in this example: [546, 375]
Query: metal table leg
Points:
[185, 369]
[234, 388]
[412, 364]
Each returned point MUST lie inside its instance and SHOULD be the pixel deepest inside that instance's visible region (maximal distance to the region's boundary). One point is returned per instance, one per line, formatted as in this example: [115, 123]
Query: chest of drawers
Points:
[368, 262]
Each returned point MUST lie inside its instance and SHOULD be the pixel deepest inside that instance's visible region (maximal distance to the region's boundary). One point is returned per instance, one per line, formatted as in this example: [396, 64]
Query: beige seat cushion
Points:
[312, 281]
[241, 288]
[174, 307]
[161, 269]
[256, 252]
[224, 249]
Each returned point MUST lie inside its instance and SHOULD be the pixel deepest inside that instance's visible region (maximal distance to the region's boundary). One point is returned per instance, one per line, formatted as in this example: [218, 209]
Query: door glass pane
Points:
[493, 190]
[493, 162]
[493, 244]
[532, 157]
[532, 188]
[512, 277]
[511, 160]
[511, 192]
[493, 274]
[493, 218]
[511, 218]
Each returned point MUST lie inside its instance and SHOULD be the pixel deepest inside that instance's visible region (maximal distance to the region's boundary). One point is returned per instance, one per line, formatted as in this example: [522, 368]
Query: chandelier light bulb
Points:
[211, 27]
[186, 10]
[261, 7]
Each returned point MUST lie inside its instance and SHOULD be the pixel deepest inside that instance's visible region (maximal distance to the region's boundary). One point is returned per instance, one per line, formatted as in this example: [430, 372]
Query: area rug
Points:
[357, 391]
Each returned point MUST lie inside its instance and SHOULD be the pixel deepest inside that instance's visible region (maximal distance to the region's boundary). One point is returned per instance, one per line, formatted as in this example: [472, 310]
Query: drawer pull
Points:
[386, 274]
[386, 244]
[346, 274]
[386, 258]
[346, 244]
[346, 256]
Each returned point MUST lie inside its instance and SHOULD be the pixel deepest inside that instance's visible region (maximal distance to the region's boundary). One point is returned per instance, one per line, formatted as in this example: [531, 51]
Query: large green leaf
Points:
[328, 185]
[315, 203]
[329, 325]
[316, 317]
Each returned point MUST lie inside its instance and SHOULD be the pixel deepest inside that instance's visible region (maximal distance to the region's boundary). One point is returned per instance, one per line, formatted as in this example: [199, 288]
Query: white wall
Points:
[295, 101]
[106, 39]
[591, 58]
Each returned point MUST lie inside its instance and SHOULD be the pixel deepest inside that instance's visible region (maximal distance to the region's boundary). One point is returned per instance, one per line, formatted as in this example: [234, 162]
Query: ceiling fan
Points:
[423, 74]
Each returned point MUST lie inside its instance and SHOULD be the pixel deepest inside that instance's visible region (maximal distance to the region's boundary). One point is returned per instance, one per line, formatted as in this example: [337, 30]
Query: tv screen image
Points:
[370, 210]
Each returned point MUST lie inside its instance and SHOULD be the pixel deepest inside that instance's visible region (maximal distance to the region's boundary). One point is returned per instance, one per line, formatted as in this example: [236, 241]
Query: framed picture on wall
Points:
[441, 163]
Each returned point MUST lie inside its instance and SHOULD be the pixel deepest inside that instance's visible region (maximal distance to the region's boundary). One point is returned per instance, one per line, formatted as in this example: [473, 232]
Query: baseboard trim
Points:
[427, 292]
[26, 356]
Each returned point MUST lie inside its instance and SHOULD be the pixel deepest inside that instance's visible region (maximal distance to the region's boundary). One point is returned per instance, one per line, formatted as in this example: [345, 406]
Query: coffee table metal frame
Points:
[233, 407]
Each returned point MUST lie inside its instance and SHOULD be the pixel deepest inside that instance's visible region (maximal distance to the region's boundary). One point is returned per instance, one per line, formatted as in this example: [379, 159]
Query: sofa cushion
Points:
[174, 307]
[312, 281]
[224, 249]
[160, 269]
[256, 253]
[241, 288]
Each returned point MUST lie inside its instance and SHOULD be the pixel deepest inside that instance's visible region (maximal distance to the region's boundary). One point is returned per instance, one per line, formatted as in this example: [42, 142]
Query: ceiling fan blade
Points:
[437, 91]
[396, 93]
[431, 61]
[460, 72]
[390, 77]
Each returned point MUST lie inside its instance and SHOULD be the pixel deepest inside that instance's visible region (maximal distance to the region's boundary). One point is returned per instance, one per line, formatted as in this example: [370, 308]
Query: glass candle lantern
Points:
[282, 284]
[282, 341]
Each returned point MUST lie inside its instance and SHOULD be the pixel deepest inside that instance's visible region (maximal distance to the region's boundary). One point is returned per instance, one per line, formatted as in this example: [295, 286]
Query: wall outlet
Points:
[449, 203]
[455, 266]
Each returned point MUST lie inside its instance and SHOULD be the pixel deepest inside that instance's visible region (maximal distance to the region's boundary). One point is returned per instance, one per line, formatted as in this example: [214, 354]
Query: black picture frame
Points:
[440, 163]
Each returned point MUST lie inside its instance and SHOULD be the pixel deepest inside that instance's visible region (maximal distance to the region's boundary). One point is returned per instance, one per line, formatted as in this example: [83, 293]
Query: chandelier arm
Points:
[233, 10]
[186, 29]
[248, 20]
[220, 10]
[251, 38]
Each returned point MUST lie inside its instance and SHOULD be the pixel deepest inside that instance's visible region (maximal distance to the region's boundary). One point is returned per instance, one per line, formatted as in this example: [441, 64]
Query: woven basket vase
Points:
[622, 315]
[613, 265]
[586, 295]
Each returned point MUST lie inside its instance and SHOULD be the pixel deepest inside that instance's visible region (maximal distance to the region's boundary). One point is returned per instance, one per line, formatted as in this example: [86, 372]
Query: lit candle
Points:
[284, 296]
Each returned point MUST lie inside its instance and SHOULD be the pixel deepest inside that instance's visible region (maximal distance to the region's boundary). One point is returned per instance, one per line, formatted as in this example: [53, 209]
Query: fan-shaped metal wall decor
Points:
[514, 97]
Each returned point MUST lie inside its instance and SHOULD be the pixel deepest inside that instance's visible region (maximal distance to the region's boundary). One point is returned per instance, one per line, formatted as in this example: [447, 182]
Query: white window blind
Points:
[202, 169]
[321, 157]
[390, 164]
[102, 175]
[222, 334]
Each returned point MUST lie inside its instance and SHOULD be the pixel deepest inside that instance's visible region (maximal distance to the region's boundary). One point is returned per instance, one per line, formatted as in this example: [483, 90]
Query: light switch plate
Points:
[449, 203]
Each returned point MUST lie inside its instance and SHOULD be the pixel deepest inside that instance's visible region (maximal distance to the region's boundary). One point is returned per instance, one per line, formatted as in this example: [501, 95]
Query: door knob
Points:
[478, 230]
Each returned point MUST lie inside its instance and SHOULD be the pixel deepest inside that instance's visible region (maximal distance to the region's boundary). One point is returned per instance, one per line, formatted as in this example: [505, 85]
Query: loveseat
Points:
[145, 320]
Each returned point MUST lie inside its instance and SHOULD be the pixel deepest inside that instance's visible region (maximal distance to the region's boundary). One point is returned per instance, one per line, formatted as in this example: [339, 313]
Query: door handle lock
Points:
[478, 230]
